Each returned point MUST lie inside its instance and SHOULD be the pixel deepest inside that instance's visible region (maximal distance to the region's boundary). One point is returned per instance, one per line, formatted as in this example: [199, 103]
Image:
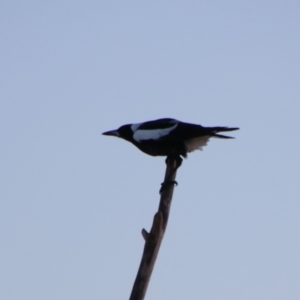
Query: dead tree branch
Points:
[154, 238]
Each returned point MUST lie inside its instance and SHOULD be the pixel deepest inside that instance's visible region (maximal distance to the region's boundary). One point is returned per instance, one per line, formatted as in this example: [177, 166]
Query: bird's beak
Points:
[112, 133]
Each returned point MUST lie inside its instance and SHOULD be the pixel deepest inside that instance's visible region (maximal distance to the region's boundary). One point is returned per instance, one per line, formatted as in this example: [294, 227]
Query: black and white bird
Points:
[168, 137]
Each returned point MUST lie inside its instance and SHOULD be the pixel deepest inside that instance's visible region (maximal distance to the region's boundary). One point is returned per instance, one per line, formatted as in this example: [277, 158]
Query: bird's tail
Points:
[215, 130]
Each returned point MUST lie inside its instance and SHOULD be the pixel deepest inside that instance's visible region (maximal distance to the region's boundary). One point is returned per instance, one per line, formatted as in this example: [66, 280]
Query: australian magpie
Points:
[168, 137]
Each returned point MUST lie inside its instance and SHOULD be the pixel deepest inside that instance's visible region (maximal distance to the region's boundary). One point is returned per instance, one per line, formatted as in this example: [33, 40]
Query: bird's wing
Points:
[184, 131]
[158, 124]
[154, 130]
[187, 131]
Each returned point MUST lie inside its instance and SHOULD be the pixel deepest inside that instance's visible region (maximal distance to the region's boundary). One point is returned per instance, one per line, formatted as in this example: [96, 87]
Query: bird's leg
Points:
[168, 180]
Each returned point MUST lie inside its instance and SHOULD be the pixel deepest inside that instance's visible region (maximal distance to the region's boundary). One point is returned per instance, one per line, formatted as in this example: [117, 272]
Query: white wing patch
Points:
[134, 127]
[196, 143]
[152, 134]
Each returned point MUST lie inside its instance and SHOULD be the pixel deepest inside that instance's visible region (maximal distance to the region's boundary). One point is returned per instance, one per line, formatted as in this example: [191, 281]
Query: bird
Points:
[168, 137]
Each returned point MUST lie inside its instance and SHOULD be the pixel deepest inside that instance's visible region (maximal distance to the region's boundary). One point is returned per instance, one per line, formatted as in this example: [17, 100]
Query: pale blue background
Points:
[73, 202]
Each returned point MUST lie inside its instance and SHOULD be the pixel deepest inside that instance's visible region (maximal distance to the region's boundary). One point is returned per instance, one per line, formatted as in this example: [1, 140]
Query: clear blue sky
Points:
[73, 202]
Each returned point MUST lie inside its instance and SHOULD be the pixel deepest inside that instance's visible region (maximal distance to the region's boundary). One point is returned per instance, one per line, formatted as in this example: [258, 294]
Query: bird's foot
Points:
[165, 184]
[177, 158]
[167, 181]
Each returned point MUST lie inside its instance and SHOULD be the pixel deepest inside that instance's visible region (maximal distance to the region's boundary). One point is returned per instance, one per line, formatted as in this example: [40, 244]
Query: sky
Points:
[73, 202]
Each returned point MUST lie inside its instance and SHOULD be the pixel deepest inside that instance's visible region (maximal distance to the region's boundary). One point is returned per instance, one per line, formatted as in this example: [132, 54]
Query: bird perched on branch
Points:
[168, 137]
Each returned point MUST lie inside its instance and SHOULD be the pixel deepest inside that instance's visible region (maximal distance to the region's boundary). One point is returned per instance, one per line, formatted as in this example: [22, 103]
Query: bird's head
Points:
[125, 132]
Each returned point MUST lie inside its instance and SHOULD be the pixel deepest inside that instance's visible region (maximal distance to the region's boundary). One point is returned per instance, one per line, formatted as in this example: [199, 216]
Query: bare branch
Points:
[154, 238]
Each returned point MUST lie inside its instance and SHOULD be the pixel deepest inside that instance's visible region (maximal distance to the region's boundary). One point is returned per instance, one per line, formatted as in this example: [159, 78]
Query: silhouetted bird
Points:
[168, 137]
